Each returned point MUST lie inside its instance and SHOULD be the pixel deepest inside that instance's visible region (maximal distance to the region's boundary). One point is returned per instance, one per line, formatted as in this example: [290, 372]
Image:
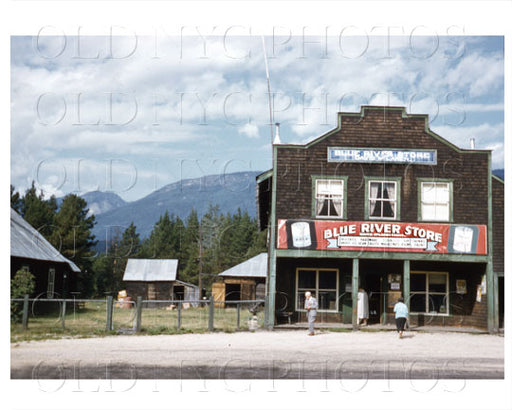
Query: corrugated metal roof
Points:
[255, 267]
[27, 242]
[151, 270]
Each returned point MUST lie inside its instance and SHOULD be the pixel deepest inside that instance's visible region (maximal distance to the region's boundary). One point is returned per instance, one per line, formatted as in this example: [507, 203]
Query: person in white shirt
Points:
[362, 307]
[311, 306]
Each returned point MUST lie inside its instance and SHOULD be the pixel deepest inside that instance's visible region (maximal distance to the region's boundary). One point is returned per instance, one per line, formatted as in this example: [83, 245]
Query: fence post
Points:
[238, 316]
[138, 322]
[210, 315]
[110, 310]
[178, 326]
[25, 313]
[63, 314]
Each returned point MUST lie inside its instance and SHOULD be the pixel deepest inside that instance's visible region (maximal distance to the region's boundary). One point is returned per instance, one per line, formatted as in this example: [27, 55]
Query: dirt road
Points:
[264, 355]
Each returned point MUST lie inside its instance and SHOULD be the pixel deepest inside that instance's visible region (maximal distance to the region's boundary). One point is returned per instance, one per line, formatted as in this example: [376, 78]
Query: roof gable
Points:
[364, 110]
[27, 242]
[256, 267]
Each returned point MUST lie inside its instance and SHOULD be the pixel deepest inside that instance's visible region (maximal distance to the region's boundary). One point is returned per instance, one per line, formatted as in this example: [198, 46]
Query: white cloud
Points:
[250, 130]
[175, 99]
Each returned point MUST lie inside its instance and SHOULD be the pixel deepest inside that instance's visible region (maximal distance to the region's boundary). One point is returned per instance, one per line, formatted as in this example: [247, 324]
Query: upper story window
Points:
[329, 199]
[435, 201]
[382, 198]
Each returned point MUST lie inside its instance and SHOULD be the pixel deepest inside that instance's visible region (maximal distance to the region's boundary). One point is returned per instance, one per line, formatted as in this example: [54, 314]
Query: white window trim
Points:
[316, 290]
[342, 198]
[435, 204]
[427, 273]
[369, 199]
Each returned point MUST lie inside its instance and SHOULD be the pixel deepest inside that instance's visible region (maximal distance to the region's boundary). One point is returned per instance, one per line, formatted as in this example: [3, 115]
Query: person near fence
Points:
[311, 305]
[401, 314]
[362, 307]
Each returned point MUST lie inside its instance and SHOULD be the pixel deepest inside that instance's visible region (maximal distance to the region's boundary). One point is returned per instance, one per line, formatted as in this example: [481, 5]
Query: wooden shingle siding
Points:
[382, 129]
[498, 207]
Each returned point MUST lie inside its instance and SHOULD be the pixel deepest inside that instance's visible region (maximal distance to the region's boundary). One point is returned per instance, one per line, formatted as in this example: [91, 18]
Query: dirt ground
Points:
[283, 354]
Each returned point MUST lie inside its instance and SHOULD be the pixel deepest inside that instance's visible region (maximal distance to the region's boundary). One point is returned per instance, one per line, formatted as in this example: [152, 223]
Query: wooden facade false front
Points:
[359, 192]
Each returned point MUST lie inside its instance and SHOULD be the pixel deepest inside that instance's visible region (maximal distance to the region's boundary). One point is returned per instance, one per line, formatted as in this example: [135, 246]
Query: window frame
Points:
[420, 182]
[427, 292]
[299, 307]
[50, 286]
[314, 180]
[367, 181]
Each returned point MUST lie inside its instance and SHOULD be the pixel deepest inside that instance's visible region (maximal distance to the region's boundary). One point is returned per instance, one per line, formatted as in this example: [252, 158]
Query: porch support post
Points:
[355, 289]
[491, 302]
[270, 306]
[407, 284]
[492, 311]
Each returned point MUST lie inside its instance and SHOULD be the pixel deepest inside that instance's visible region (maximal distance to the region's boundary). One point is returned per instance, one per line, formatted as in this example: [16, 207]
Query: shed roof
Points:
[27, 242]
[151, 270]
[255, 267]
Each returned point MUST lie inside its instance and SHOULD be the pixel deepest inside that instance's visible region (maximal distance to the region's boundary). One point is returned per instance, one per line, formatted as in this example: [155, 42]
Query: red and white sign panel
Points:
[382, 236]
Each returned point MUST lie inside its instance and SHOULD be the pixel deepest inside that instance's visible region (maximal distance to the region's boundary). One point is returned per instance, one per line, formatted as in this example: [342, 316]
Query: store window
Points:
[322, 283]
[329, 198]
[435, 201]
[382, 199]
[429, 292]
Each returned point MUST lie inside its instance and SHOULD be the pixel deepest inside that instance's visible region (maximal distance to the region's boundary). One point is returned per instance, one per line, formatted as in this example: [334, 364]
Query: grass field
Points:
[89, 319]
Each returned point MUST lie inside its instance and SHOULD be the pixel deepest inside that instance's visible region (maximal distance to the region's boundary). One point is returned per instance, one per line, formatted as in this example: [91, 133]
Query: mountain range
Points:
[228, 191]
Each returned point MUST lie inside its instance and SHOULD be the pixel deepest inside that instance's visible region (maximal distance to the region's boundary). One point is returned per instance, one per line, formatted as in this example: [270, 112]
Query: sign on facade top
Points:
[382, 155]
[382, 236]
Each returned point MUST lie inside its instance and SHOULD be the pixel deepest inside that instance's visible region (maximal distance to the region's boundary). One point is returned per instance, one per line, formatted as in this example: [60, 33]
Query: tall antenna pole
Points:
[269, 95]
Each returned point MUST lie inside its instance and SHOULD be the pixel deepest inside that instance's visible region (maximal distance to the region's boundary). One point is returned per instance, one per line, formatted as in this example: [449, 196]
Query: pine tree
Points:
[189, 262]
[38, 212]
[129, 247]
[16, 200]
[163, 241]
[73, 238]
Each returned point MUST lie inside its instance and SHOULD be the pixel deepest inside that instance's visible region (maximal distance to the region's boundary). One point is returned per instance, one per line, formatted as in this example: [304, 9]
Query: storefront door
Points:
[372, 284]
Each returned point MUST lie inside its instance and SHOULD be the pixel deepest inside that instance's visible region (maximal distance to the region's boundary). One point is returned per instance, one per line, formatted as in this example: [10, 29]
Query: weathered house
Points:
[245, 281]
[156, 279]
[384, 203]
[55, 275]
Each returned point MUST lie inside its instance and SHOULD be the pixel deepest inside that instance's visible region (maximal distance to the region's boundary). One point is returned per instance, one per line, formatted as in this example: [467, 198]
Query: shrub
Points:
[22, 284]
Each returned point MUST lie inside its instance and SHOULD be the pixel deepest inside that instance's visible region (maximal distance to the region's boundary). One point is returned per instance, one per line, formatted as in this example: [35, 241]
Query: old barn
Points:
[54, 274]
[156, 279]
[245, 281]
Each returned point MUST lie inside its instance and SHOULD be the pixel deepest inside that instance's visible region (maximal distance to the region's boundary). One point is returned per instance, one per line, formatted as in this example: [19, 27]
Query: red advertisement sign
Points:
[382, 236]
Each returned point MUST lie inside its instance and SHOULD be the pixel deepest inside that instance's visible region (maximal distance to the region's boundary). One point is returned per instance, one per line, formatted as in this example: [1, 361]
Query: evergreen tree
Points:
[102, 268]
[73, 238]
[212, 225]
[164, 241]
[38, 212]
[16, 200]
[129, 247]
[189, 263]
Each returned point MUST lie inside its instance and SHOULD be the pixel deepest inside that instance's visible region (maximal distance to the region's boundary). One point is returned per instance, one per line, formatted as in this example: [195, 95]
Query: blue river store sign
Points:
[382, 155]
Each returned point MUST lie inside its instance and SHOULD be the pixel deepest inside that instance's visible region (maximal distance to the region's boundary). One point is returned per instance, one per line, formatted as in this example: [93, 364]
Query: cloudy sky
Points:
[130, 114]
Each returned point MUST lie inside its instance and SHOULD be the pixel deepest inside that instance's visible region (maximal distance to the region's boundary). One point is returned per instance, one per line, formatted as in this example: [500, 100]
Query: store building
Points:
[383, 203]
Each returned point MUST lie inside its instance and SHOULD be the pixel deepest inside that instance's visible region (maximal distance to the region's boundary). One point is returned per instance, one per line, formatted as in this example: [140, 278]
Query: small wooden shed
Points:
[245, 281]
[156, 279]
